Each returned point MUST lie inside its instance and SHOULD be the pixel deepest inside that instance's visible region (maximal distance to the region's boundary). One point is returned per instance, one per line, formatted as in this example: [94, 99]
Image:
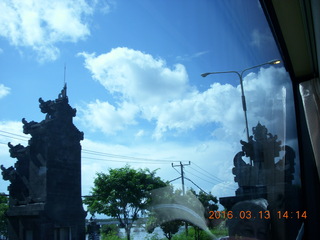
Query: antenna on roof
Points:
[64, 75]
[63, 93]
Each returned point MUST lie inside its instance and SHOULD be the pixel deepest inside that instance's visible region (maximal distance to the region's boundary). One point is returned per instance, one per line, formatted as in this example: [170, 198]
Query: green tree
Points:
[109, 232]
[209, 203]
[161, 219]
[171, 228]
[3, 208]
[123, 194]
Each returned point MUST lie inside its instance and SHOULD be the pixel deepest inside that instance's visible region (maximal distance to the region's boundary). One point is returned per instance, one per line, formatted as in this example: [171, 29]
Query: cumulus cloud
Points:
[41, 24]
[4, 91]
[224, 189]
[137, 76]
[161, 94]
[107, 118]
[216, 158]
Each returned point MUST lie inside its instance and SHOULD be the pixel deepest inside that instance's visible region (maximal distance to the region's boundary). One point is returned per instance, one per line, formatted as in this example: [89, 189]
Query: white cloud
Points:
[137, 76]
[41, 24]
[105, 6]
[259, 38]
[269, 99]
[4, 91]
[106, 117]
[140, 133]
[191, 57]
[10, 131]
[199, 108]
[216, 158]
[224, 189]
[165, 96]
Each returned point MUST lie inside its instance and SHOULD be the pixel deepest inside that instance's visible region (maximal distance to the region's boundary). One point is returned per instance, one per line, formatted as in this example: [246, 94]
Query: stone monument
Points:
[45, 182]
[267, 176]
[263, 177]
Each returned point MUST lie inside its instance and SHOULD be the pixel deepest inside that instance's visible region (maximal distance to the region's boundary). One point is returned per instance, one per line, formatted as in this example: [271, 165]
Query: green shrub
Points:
[109, 232]
[194, 234]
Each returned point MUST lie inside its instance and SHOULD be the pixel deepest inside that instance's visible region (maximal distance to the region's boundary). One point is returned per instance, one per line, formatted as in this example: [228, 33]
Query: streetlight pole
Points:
[243, 98]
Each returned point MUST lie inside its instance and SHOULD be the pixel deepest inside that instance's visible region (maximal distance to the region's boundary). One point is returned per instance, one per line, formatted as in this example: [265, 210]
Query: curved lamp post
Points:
[240, 75]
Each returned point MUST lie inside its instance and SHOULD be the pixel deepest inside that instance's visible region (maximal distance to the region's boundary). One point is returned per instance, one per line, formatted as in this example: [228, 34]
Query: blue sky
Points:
[133, 73]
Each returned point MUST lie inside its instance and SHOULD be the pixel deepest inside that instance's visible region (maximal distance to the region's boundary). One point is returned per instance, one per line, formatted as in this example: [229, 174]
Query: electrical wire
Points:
[18, 135]
[176, 170]
[223, 182]
[125, 157]
[210, 174]
[175, 179]
[128, 159]
[13, 137]
[123, 161]
[97, 153]
[200, 177]
[212, 178]
[196, 185]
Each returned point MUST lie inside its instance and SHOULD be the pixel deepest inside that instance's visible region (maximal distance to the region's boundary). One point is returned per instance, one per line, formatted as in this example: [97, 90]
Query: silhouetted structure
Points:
[45, 191]
[264, 178]
[268, 179]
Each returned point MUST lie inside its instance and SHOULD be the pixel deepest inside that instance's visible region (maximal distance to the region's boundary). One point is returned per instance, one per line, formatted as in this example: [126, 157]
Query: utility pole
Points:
[182, 180]
[182, 173]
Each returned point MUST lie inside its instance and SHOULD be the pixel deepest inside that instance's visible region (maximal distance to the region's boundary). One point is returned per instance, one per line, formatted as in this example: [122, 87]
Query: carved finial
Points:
[260, 132]
[10, 145]
[63, 93]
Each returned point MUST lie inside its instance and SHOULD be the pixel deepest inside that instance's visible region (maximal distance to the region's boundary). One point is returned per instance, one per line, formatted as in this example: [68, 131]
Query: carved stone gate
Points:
[45, 191]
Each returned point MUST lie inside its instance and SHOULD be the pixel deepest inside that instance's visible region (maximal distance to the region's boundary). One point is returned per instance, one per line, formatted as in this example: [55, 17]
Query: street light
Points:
[240, 74]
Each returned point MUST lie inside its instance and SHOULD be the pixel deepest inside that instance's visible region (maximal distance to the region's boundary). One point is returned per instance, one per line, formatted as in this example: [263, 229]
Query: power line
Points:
[125, 157]
[115, 160]
[13, 137]
[210, 174]
[18, 135]
[195, 184]
[177, 171]
[200, 178]
[97, 153]
[210, 182]
[175, 179]
[209, 177]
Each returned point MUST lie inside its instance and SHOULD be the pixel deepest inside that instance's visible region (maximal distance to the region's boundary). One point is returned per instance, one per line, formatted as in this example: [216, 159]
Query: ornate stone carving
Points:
[262, 149]
[45, 181]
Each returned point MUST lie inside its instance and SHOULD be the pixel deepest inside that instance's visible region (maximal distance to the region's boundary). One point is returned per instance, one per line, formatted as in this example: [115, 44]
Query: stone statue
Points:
[262, 149]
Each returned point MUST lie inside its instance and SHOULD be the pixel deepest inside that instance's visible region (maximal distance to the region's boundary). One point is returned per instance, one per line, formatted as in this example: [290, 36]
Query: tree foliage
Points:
[123, 194]
[171, 228]
[171, 206]
[109, 232]
[3, 221]
[209, 203]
